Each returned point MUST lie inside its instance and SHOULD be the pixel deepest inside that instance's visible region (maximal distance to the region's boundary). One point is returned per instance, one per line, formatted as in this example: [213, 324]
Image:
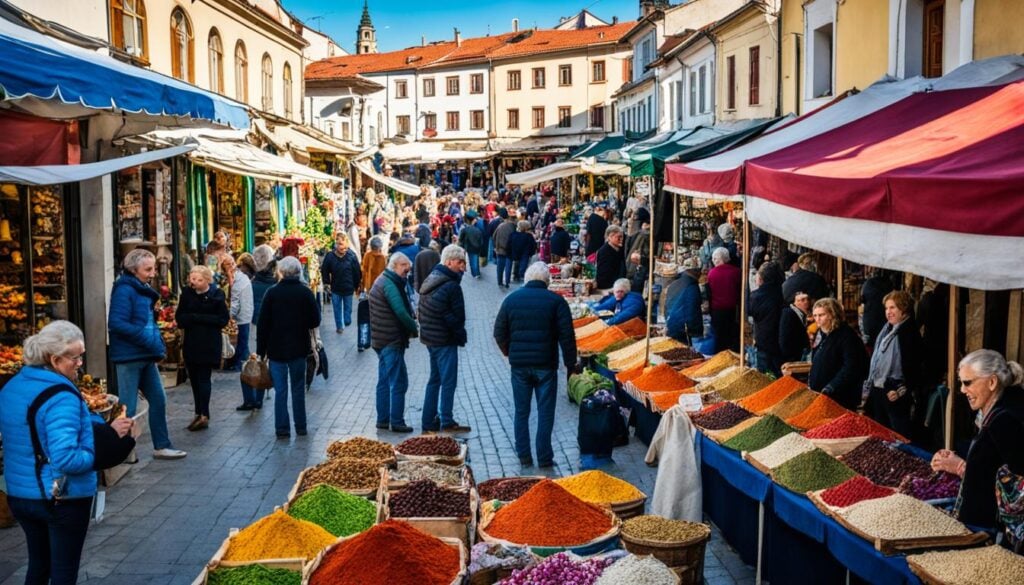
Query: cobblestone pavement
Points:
[165, 519]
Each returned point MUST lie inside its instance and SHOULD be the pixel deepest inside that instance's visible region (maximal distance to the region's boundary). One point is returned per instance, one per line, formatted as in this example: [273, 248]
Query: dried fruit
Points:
[439, 446]
[722, 417]
[425, 499]
[884, 464]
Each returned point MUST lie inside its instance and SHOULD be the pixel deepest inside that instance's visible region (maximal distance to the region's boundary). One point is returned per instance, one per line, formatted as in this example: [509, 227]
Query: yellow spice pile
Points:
[597, 487]
[278, 536]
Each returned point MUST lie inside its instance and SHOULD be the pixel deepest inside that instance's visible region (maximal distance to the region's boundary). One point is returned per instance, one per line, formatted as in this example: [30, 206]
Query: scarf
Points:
[886, 363]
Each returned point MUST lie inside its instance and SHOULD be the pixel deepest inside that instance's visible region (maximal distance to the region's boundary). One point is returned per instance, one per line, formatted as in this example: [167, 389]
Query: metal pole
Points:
[745, 278]
[650, 282]
[675, 227]
[839, 282]
[951, 367]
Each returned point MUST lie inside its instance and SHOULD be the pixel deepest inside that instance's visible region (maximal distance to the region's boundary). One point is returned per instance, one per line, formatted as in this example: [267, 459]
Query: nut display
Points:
[425, 499]
[450, 475]
[438, 446]
[361, 448]
[990, 565]
[344, 474]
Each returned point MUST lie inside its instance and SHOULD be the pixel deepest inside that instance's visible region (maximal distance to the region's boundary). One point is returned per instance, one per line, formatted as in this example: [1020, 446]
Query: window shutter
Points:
[117, 23]
[755, 76]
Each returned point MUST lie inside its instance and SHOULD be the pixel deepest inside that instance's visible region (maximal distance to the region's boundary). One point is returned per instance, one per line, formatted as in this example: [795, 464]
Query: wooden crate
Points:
[461, 528]
[217, 561]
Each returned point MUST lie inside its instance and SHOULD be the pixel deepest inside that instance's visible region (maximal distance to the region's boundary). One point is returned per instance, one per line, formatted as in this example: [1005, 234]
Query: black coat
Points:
[560, 242]
[805, 281]
[289, 311]
[998, 443]
[908, 337]
[793, 341]
[611, 265]
[871, 294]
[839, 366]
[596, 227]
[202, 317]
[532, 324]
[766, 306]
[261, 283]
[472, 239]
[521, 244]
[426, 260]
[341, 273]
[442, 309]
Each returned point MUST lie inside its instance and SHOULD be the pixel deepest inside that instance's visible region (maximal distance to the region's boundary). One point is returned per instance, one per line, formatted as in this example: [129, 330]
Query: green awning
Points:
[700, 143]
[611, 142]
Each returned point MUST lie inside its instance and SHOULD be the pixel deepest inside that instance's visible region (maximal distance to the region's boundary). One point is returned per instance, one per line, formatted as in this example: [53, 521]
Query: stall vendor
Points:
[623, 303]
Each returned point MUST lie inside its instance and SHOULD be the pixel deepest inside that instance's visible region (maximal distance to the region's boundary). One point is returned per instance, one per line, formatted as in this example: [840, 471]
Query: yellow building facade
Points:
[746, 65]
[997, 28]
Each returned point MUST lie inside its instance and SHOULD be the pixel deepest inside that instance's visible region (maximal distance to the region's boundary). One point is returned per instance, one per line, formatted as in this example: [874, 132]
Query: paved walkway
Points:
[167, 518]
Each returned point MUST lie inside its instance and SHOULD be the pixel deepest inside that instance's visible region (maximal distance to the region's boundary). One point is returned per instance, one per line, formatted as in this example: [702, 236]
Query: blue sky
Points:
[400, 23]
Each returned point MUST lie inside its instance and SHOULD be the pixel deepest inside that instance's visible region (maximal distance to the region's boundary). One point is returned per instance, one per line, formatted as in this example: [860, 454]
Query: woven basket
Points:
[686, 557]
[629, 509]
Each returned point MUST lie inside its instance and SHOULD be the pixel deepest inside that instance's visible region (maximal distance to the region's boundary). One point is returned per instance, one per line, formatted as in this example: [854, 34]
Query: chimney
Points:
[515, 25]
[458, 38]
[423, 40]
[615, 20]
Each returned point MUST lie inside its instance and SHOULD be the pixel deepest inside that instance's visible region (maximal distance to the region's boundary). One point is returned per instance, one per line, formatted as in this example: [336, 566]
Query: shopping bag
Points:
[256, 373]
[363, 323]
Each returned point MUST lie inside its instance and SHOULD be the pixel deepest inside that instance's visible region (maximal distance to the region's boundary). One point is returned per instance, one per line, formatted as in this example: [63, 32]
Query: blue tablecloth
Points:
[741, 475]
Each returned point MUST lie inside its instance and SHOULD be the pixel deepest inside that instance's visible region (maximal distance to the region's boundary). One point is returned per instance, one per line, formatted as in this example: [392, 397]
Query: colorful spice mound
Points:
[345, 474]
[412, 470]
[771, 394]
[662, 377]
[884, 464]
[782, 450]
[634, 570]
[441, 446]
[794, 404]
[597, 487]
[505, 489]
[361, 448]
[589, 329]
[937, 486]
[989, 565]
[723, 417]
[853, 425]
[599, 341]
[425, 499]
[716, 364]
[821, 411]
[559, 569]
[635, 327]
[618, 345]
[548, 515]
[339, 513]
[660, 344]
[659, 529]
[278, 536]
[253, 575]
[631, 374]
[680, 354]
[854, 490]
[390, 553]
[900, 516]
[663, 401]
[746, 384]
[811, 471]
[765, 432]
[577, 323]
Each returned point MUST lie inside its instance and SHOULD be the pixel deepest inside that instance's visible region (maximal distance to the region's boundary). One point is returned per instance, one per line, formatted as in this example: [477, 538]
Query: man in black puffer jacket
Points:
[532, 324]
[341, 273]
[442, 311]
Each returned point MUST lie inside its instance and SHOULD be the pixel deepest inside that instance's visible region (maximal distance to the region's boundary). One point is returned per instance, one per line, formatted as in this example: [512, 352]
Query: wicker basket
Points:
[686, 557]
[629, 509]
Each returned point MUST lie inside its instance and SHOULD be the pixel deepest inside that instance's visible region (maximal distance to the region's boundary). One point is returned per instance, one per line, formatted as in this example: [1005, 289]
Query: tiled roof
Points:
[474, 48]
[349, 65]
[547, 41]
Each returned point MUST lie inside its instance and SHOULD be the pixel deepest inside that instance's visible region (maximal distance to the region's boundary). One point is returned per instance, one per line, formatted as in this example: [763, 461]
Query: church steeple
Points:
[366, 35]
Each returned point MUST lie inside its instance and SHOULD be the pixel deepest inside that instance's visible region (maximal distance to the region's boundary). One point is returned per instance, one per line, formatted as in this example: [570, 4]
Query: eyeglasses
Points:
[968, 383]
[78, 359]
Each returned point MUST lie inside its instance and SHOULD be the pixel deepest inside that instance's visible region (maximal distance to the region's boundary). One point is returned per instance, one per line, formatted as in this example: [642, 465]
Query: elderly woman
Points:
[288, 312]
[611, 258]
[894, 377]
[42, 413]
[993, 389]
[839, 362]
[202, 313]
[624, 303]
[724, 298]
[765, 309]
[136, 347]
[266, 276]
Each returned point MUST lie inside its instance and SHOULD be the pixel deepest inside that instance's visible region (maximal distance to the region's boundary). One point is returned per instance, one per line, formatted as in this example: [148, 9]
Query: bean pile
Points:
[361, 448]
[900, 516]
[854, 490]
[936, 486]
[559, 569]
[249, 574]
[442, 446]
[425, 499]
[339, 513]
[884, 464]
[782, 450]
[634, 570]
[852, 425]
[505, 489]
[811, 471]
[749, 382]
[765, 432]
[680, 354]
[437, 472]
[659, 529]
[343, 473]
[990, 565]
[723, 417]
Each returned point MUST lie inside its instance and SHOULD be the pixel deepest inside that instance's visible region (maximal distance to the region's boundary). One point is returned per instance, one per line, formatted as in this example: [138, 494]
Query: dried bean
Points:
[361, 448]
[900, 516]
[344, 474]
[425, 499]
[726, 416]
[634, 570]
[505, 489]
[439, 446]
[990, 565]
[884, 464]
[660, 529]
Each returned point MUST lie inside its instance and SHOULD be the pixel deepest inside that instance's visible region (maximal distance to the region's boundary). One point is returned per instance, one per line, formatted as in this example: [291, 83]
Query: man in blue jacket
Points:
[341, 272]
[685, 320]
[442, 312]
[532, 324]
[624, 303]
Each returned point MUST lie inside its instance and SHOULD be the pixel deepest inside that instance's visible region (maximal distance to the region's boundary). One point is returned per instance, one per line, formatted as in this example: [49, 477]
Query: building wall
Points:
[997, 28]
[88, 17]
[735, 39]
[698, 13]
[696, 57]
[793, 55]
[860, 59]
[320, 46]
[463, 103]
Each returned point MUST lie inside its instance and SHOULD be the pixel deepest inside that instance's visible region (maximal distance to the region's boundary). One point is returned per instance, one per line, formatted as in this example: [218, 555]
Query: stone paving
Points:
[165, 519]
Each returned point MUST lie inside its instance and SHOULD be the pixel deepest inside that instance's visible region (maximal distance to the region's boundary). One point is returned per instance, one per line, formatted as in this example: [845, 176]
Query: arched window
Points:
[268, 83]
[128, 21]
[182, 47]
[287, 76]
[241, 73]
[216, 62]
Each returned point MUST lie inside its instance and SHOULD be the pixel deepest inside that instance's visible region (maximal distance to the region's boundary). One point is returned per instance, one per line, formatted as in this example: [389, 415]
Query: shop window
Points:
[513, 119]
[597, 117]
[401, 89]
[476, 120]
[564, 75]
[402, 123]
[128, 24]
[515, 80]
[564, 117]
[267, 76]
[693, 93]
[476, 83]
[428, 87]
[821, 68]
[452, 84]
[241, 73]
[452, 121]
[346, 131]
[597, 72]
[216, 50]
[539, 82]
[538, 117]
[286, 76]
[182, 47]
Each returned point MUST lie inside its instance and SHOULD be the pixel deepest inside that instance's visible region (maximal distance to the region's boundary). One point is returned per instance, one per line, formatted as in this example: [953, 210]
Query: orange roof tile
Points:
[350, 65]
[547, 41]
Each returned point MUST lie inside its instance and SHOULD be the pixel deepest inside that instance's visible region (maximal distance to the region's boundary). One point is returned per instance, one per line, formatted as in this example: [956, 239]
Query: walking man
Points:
[442, 312]
[472, 240]
[532, 324]
[341, 272]
[392, 323]
[502, 235]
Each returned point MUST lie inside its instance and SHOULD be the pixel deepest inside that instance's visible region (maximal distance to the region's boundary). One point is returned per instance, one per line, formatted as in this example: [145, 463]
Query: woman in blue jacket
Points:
[52, 504]
[625, 304]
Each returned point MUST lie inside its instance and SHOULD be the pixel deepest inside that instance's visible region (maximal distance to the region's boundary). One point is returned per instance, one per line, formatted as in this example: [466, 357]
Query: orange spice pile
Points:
[548, 515]
[598, 342]
[661, 378]
[821, 411]
[635, 327]
[771, 394]
[577, 323]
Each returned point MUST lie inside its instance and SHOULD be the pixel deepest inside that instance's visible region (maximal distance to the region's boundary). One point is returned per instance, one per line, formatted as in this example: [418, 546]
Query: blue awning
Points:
[39, 66]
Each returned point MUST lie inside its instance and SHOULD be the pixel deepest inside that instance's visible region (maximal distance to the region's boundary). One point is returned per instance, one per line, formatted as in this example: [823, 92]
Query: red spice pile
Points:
[391, 553]
[631, 374]
[853, 490]
[548, 515]
[853, 425]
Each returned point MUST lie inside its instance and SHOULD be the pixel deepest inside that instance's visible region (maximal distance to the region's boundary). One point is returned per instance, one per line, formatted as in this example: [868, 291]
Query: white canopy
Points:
[290, 137]
[433, 152]
[366, 167]
[57, 174]
[566, 169]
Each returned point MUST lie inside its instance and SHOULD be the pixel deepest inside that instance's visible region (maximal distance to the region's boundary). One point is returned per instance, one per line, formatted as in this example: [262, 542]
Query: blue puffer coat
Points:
[531, 325]
[632, 305]
[685, 319]
[134, 335]
[64, 424]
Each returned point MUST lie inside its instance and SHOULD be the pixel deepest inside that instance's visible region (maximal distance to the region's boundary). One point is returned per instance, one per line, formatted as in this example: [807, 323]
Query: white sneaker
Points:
[169, 454]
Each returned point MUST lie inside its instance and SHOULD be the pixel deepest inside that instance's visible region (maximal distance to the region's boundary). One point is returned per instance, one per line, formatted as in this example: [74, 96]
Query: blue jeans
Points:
[250, 395]
[525, 383]
[474, 264]
[281, 373]
[392, 384]
[444, 376]
[54, 537]
[504, 270]
[143, 375]
[524, 263]
[342, 305]
[490, 250]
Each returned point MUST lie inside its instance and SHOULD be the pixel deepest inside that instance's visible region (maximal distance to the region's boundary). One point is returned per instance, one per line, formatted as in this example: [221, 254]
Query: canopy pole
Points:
[591, 175]
[650, 286]
[951, 361]
[745, 278]
[839, 283]
[675, 227]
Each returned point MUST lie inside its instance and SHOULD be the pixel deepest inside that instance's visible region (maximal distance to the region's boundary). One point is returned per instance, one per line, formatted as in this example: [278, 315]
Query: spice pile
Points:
[853, 425]
[635, 327]
[390, 553]
[617, 346]
[660, 344]
[811, 471]
[577, 323]
[345, 474]
[634, 570]
[793, 404]
[771, 394]
[782, 450]
[716, 364]
[884, 464]
[438, 472]
[851, 491]
[601, 340]
[937, 486]
[589, 329]
[251, 574]
[559, 569]
[597, 487]
[722, 417]
[989, 565]
[632, 372]
[661, 378]
[548, 515]
[744, 385]
[763, 433]
[505, 489]
[361, 448]
[721, 379]
[900, 516]
[339, 513]
[659, 529]
[440, 446]
[680, 354]
[278, 536]
[628, 357]
[823, 410]
[425, 499]
[662, 401]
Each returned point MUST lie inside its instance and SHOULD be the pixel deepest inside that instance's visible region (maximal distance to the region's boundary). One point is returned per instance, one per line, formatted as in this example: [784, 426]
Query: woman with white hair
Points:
[624, 303]
[724, 282]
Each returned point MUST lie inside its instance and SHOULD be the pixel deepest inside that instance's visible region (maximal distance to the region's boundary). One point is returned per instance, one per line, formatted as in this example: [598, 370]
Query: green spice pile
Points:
[339, 513]
[253, 575]
[361, 448]
[660, 529]
[811, 471]
[436, 472]
[763, 433]
[989, 565]
[345, 474]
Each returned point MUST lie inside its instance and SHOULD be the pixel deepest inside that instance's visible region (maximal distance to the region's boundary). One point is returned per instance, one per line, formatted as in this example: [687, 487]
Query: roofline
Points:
[556, 51]
[245, 8]
[752, 4]
[649, 19]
